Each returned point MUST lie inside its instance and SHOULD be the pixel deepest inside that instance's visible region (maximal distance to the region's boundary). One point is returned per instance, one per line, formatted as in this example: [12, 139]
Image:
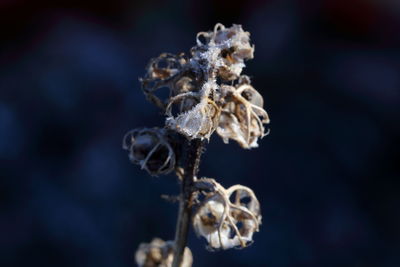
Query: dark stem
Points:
[191, 155]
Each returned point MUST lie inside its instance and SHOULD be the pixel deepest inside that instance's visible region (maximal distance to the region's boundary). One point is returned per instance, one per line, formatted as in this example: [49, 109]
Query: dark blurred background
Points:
[327, 175]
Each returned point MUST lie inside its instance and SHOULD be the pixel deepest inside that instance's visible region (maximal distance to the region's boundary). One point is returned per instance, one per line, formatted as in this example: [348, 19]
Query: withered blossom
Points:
[160, 253]
[226, 49]
[226, 218]
[205, 105]
[150, 149]
[242, 116]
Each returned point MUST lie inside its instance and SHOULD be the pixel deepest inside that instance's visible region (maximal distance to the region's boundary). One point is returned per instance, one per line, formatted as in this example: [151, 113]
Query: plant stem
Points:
[191, 155]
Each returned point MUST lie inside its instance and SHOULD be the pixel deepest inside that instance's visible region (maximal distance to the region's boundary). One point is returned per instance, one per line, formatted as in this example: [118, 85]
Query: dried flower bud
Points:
[242, 116]
[159, 253]
[150, 149]
[226, 218]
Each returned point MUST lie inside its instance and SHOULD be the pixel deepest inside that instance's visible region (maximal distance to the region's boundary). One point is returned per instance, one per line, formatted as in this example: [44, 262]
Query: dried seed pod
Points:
[162, 72]
[201, 120]
[242, 116]
[159, 253]
[237, 50]
[225, 49]
[226, 218]
[150, 149]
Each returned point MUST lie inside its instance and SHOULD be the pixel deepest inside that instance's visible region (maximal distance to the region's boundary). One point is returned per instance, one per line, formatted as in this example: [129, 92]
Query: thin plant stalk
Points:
[193, 152]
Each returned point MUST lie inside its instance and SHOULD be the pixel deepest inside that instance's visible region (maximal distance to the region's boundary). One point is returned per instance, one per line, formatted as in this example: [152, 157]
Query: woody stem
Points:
[191, 154]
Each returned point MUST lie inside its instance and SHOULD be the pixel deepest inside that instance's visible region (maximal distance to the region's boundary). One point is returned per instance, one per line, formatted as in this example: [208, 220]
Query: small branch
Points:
[191, 153]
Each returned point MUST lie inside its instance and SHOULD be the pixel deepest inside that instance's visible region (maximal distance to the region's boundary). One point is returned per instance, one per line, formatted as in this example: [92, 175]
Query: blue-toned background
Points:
[327, 175]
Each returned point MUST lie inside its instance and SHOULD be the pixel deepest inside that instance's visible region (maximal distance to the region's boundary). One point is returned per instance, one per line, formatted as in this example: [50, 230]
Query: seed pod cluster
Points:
[207, 92]
[151, 149]
[226, 218]
[159, 253]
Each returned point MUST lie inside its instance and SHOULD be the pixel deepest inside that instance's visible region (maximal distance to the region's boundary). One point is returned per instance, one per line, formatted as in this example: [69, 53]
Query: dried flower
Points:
[226, 218]
[242, 116]
[159, 253]
[150, 149]
[199, 122]
[226, 48]
[203, 105]
[161, 72]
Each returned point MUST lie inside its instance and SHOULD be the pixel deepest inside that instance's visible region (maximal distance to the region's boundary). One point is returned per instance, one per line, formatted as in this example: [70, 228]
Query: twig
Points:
[192, 152]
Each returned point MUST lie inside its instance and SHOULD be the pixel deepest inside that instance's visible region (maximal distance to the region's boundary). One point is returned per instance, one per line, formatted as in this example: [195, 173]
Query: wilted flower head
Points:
[150, 149]
[226, 218]
[159, 253]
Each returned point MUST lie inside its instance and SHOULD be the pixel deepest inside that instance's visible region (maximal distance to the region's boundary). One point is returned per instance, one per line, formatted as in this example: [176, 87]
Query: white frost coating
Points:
[194, 123]
[201, 120]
